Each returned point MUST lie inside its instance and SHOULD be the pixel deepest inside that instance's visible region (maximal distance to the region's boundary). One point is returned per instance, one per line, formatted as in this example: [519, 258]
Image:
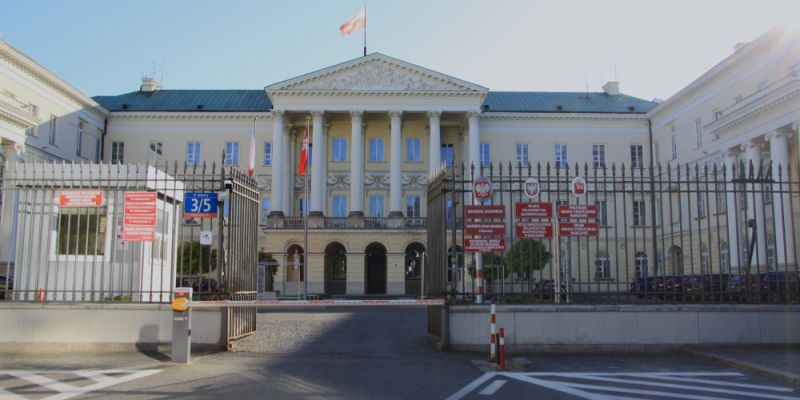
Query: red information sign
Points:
[534, 230]
[485, 212]
[579, 229]
[577, 211]
[139, 217]
[80, 198]
[485, 228]
[482, 245]
[533, 210]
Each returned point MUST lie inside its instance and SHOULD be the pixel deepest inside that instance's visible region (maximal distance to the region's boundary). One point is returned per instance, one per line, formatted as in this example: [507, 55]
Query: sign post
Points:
[482, 189]
[139, 217]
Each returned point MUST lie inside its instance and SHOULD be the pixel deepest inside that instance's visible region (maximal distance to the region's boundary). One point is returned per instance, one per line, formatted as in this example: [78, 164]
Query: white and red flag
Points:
[355, 24]
[252, 165]
[301, 169]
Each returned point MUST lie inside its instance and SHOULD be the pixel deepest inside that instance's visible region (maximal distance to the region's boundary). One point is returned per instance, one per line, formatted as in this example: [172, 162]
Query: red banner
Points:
[485, 212]
[484, 245]
[533, 210]
[579, 229]
[80, 198]
[485, 228]
[534, 230]
[139, 217]
[578, 211]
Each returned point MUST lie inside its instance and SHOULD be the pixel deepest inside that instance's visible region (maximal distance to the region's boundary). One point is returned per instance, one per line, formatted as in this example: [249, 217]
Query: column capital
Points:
[732, 152]
[756, 143]
[796, 126]
[473, 116]
[434, 114]
[778, 134]
[395, 114]
[278, 114]
[317, 114]
[356, 114]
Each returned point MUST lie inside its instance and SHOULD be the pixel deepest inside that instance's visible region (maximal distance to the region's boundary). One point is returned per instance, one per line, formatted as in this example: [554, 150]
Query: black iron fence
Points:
[615, 234]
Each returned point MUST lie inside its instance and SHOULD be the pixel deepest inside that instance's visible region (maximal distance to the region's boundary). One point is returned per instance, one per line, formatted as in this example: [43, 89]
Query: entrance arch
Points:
[413, 268]
[335, 269]
[295, 263]
[375, 269]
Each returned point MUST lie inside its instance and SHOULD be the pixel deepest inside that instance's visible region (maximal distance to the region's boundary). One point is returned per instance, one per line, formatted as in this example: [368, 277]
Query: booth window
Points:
[82, 231]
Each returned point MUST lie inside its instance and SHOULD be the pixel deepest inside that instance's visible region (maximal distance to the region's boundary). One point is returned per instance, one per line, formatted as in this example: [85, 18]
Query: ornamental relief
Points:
[264, 183]
[415, 181]
[377, 77]
[376, 180]
[338, 180]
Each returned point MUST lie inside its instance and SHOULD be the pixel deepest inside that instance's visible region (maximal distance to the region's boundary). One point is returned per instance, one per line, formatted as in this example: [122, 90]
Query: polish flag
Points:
[303, 155]
[355, 24]
[252, 166]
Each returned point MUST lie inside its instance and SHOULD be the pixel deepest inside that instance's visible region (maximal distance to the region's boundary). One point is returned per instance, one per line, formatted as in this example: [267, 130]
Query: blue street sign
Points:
[200, 205]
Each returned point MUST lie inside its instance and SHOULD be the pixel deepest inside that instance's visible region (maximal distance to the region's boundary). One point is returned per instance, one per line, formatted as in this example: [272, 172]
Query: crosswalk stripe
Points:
[493, 387]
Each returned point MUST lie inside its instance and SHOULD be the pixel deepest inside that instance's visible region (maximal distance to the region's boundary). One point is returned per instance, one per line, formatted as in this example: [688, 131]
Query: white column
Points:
[356, 164]
[474, 141]
[317, 174]
[395, 168]
[288, 176]
[435, 142]
[784, 239]
[278, 163]
[734, 229]
[755, 206]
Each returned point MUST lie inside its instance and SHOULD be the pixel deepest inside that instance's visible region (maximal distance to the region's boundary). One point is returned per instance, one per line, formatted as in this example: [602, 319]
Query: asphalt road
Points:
[370, 353]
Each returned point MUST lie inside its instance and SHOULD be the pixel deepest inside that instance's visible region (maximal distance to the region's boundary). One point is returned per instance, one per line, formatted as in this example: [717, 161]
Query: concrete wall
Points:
[624, 327]
[31, 327]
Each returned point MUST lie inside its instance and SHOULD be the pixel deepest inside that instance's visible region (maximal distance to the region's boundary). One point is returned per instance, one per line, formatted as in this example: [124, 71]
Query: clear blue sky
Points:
[104, 47]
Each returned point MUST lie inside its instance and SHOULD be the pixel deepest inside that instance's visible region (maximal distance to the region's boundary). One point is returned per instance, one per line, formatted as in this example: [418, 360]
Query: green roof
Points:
[566, 102]
[188, 100]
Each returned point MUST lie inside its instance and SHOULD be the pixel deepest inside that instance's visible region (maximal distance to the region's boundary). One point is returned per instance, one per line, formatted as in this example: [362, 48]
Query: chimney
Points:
[611, 88]
[149, 85]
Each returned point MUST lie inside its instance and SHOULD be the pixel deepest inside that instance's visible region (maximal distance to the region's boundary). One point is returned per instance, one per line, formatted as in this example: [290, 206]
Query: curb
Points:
[749, 366]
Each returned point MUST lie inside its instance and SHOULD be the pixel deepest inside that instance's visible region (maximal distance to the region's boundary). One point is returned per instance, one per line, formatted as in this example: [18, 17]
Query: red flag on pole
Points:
[355, 24]
[303, 155]
[252, 165]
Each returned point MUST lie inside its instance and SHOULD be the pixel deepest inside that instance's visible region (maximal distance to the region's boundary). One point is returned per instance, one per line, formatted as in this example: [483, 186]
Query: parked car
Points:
[546, 288]
[708, 287]
[781, 285]
[643, 287]
[6, 284]
[745, 287]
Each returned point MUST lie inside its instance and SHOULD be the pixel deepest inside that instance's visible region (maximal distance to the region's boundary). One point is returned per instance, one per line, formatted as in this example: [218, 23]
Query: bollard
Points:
[41, 294]
[502, 350]
[181, 325]
[492, 337]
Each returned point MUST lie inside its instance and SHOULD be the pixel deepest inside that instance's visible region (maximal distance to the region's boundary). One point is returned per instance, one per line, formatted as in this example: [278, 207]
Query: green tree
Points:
[527, 255]
[196, 259]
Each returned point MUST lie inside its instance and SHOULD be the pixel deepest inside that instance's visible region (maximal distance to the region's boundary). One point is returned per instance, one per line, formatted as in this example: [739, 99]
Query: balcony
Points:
[342, 223]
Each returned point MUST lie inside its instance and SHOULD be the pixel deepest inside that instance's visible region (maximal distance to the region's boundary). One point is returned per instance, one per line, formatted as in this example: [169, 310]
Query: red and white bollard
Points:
[479, 278]
[493, 337]
[502, 350]
[41, 294]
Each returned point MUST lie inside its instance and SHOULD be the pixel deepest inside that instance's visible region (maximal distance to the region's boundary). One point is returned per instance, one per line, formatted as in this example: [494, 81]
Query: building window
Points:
[79, 141]
[639, 213]
[413, 149]
[641, 264]
[193, 153]
[674, 139]
[485, 159]
[53, 122]
[698, 132]
[448, 154]
[602, 266]
[701, 205]
[522, 154]
[771, 259]
[413, 208]
[599, 155]
[637, 156]
[117, 152]
[339, 206]
[339, 149]
[266, 203]
[602, 210]
[231, 154]
[376, 206]
[81, 231]
[33, 109]
[376, 150]
[561, 155]
[268, 154]
[724, 258]
[704, 259]
[719, 195]
[156, 151]
[717, 115]
[303, 208]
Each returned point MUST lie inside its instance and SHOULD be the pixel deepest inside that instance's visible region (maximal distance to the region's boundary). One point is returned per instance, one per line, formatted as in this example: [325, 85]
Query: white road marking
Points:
[723, 383]
[472, 386]
[66, 390]
[493, 387]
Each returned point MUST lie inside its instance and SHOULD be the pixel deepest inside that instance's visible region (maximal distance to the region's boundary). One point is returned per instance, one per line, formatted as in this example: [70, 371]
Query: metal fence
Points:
[699, 233]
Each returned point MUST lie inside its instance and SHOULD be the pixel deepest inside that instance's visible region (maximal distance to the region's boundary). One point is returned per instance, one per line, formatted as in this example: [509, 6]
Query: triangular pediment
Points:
[376, 73]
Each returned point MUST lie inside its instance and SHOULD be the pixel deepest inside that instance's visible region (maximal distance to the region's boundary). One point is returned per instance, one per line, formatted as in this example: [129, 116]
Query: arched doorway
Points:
[375, 271]
[413, 268]
[295, 262]
[335, 269]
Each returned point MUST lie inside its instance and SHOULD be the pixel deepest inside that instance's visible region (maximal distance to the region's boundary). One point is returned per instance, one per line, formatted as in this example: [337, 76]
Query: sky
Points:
[654, 48]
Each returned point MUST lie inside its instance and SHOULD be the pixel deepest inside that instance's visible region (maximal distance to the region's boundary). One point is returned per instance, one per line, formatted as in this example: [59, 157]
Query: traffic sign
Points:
[200, 205]
[578, 211]
[534, 230]
[484, 245]
[80, 198]
[482, 188]
[484, 212]
[485, 228]
[533, 210]
[579, 229]
[139, 217]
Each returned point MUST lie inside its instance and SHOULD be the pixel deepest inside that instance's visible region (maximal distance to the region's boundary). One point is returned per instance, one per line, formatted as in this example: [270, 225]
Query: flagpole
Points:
[305, 228]
[365, 29]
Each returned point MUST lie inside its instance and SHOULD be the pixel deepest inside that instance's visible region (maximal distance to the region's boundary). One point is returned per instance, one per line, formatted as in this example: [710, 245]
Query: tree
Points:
[196, 259]
[527, 255]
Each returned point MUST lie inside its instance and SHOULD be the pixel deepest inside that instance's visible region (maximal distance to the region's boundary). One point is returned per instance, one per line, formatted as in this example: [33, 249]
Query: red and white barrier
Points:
[492, 338]
[299, 303]
[502, 350]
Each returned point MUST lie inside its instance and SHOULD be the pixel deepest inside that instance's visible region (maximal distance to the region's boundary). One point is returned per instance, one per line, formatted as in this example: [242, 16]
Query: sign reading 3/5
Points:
[200, 205]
